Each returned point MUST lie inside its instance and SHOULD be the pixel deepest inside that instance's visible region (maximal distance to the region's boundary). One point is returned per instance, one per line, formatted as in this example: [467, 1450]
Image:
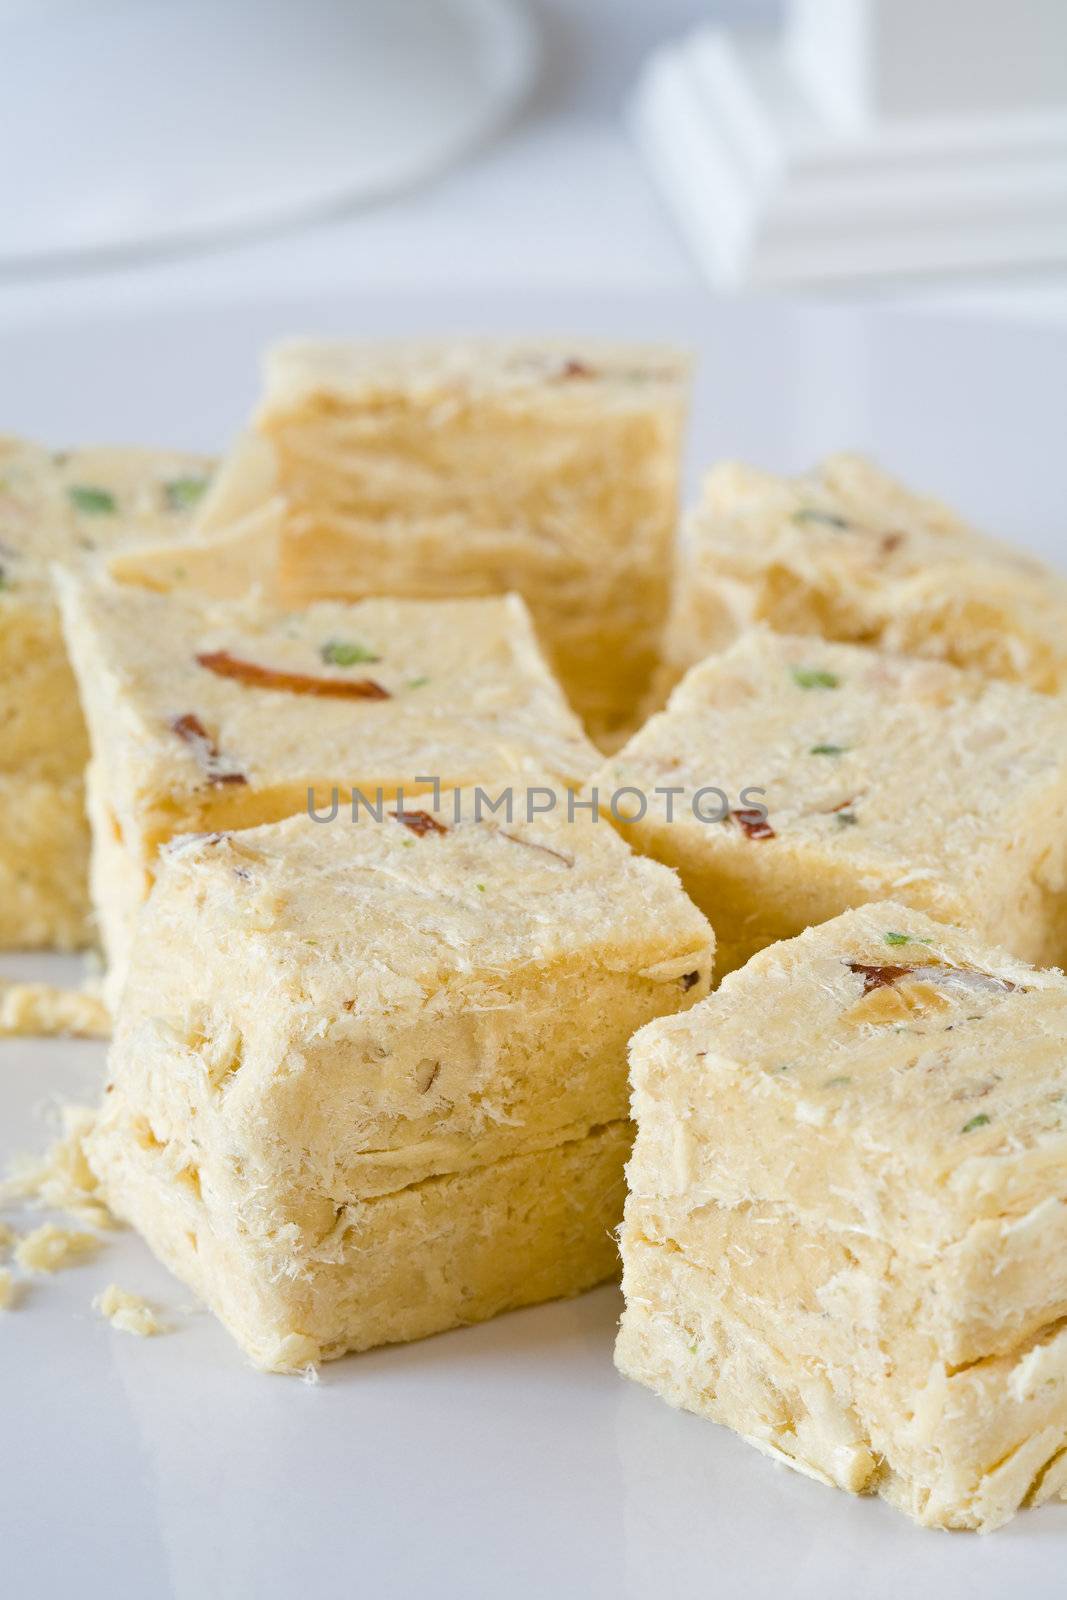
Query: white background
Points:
[559, 200]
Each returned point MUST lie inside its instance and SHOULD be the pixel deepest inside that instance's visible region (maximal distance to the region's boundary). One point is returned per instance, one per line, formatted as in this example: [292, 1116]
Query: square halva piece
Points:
[368, 1080]
[478, 467]
[846, 1233]
[209, 715]
[879, 775]
[849, 553]
[61, 507]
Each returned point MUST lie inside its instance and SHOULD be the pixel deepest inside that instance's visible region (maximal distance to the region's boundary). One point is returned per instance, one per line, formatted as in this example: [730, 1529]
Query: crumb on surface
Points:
[129, 1313]
[43, 1010]
[49, 1248]
[62, 1178]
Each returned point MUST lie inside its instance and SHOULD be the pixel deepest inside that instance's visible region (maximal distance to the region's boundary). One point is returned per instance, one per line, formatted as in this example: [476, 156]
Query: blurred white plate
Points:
[508, 1459]
[144, 124]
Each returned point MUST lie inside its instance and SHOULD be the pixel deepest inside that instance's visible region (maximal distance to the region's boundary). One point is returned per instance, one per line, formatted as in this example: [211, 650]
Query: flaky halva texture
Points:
[452, 469]
[209, 714]
[61, 507]
[846, 1227]
[880, 775]
[369, 1081]
[238, 562]
[473, 467]
[44, 861]
[849, 553]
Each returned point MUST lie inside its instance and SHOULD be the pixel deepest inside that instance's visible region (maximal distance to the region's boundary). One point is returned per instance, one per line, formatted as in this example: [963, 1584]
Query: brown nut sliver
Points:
[192, 732]
[530, 844]
[753, 823]
[877, 977]
[419, 822]
[225, 665]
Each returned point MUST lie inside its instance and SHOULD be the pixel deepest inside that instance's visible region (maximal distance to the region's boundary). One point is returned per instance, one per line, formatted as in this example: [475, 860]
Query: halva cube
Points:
[368, 1079]
[61, 507]
[477, 467]
[789, 779]
[209, 715]
[849, 553]
[846, 1227]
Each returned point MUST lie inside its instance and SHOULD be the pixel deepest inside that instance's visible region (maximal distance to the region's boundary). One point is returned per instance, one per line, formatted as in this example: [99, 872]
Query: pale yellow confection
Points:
[881, 775]
[846, 1233]
[62, 1179]
[61, 507]
[8, 1289]
[120, 876]
[129, 1313]
[245, 481]
[46, 1009]
[50, 1248]
[44, 859]
[234, 563]
[369, 1081]
[478, 467]
[849, 553]
[206, 715]
[43, 735]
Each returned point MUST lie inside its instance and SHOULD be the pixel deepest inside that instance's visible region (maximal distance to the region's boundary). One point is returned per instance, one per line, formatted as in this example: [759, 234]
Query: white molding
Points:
[770, 189]
[879, 60]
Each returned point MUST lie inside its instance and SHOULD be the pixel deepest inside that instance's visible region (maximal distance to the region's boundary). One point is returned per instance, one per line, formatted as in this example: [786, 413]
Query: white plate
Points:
[507, 1459]
[249, 114]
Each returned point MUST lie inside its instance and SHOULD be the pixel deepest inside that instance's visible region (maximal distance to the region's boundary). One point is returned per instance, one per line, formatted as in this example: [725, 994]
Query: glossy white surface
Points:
[508, 1459]
[175, 124]
[771, 189]
[519, 212]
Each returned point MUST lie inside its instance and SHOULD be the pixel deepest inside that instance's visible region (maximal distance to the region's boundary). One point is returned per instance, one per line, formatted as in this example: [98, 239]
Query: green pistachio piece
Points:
[814, 678]
[92, 501]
